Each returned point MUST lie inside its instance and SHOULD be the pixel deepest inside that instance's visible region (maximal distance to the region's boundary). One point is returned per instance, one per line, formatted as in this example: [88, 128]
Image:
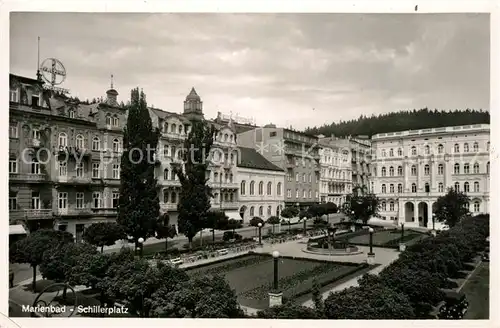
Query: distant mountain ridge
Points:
[401, 121]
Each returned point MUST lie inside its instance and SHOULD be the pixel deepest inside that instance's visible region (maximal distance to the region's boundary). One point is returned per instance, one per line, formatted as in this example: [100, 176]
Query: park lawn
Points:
[251, 276]
[385, 237]
[477, 291]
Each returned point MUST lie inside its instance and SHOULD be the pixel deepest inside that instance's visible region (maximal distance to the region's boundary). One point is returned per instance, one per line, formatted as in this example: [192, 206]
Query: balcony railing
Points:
[34, 143]
[225, 205]
[173, 136]
[31, 177]
[164, 207]
[31, 214]
[104, 211]
[230, 185]
[169, 183]
[73, 211]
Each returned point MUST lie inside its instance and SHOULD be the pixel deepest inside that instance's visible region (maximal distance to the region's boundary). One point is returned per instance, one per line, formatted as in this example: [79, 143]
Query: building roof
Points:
[193, 95]
[251, 159]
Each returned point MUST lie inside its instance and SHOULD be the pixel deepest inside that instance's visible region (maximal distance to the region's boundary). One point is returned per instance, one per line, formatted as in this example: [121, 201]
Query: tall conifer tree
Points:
[139, 206]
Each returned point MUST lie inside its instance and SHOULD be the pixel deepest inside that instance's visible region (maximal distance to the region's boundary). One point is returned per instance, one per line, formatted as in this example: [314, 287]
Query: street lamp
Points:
[275, 296]
[276, 256]
[370, 230]
[260, 233]
[141, 245]
[433, 232]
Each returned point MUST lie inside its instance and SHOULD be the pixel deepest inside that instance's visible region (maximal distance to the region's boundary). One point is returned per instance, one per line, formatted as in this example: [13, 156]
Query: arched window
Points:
[427, 187]
[165, 127]
[477, 205]
[476, 167]
[400, 188]
[383, 153]
[391, 206]
[384, 188]
[466, 187]
[384, 206]
[173, 176]
[80, 142]
[427, 149]
[466, 147]
[440, 187]
[173, 197]
[63, 139]
[475, 147]
[108, 119]
[261, 188]
[391, 188]
[456, 168]
[269, 188]
[476, 186]
[400, 152]
[457, 186]
[252, 188]
[391, 171]
[383, 171]
[116, 121]
[466, 168]
[243, 187]
[456, 148]
[278, 189]
[440, 149]
[225, 139]
[413, 187]
[269, 210]
[391, 152]
[427, 169]
[440, 169]
[261, 211]
[413, 170]
[252, 211]
[400, 170]
[116, 145]
[96, 143]
[180, 128]
[173, 128]
[165, 174]
[165, 196]
[413, 150]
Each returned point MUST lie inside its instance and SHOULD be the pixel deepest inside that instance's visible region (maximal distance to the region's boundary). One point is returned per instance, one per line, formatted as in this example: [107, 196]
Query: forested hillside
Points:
[400, 121]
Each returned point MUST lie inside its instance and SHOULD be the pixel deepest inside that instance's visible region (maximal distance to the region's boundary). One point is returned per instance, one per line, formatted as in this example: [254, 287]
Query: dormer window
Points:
[165, 127]
[71, 114]
[173, 128]
[108, 119]
[35, 101]
[116, 121]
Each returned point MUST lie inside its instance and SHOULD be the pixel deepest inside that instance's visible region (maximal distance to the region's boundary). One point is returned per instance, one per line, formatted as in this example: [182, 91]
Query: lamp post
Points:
[433, 232]
[402, 246]
[371, 255]
[353, 227]
[260, 233]
[275, 296]
[141, 245]
[402, 230]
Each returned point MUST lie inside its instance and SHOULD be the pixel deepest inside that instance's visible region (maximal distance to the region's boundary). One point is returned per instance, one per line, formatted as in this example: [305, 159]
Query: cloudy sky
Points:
[300, 70]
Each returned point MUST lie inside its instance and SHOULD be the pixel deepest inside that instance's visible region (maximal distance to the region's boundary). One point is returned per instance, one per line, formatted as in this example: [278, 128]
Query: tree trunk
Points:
[102, 249]
[33, 284]
[213, 236]
[305, 228]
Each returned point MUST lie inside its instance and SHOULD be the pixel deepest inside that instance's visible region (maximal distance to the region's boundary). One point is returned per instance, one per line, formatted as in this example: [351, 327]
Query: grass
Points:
[251, 276]
[477, 291]
[386, 238]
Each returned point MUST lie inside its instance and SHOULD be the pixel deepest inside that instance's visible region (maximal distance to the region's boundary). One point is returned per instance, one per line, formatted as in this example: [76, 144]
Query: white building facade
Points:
[411, 169]
[261, 186]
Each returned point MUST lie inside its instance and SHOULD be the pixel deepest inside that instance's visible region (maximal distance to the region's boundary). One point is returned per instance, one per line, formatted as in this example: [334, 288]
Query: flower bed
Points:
[386, 238]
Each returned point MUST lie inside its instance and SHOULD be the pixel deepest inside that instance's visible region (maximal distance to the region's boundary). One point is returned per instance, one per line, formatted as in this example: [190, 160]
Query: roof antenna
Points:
[38, 75]
[111, 81]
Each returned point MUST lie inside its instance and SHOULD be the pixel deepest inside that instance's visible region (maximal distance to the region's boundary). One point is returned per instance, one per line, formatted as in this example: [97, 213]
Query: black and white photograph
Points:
[249, 165]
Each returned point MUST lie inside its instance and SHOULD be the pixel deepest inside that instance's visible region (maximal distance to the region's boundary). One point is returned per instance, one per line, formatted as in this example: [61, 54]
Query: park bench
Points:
[223, 251]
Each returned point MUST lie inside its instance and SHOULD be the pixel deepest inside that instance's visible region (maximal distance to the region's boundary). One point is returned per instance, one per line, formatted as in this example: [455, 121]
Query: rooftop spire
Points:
[111, 81]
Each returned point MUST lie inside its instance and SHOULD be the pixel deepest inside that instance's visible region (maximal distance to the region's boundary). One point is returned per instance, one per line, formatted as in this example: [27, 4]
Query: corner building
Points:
[411, 169]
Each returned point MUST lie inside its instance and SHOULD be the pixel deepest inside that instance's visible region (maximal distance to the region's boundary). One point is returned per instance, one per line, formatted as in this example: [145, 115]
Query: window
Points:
[289, 193]
[466, 147]
[310, 193]
[116, 199]
[440, 149]
[12, 201]
[303, 177]
[116, 171]
[413, 187]
[391, 206]
[297, 193]
[13, 95]
[476, 206]
[13, 131]
[391, 171]
[400, 152]
[427, 187]
[35, 200]
[391, 188]
[440, 187]
[400, 188]
[79, 170]
[466, 187]
[400, 170]
[36, 134]
[13, 166]
[413, 150]
[96, 144]
[269, 188]
[427, 149]
[413, 170]
[35, 166]
[63, 169]
[384, 189]
[116, 121]
[63, 140]
[426, 169]
[79, 200]
[62, 200]
[108, 119]
[456, 148]
[383, 171]
[391, 152]
[457, 186]
[96, 171]
[261, 208]
[296, 177]
[476, 186]
[476, 167]
[488, 168]
[35, 100]
[261, 188]
[316, 194]
[252, 188]
[278, 189]
[310, 177]
[243, 187]
[488, 146]
[166, 174]
[79, 142]
[173, 198]
[475, 147]
[440, 169]
[467, 206]
[252, 211]
[116, 145]
[466, 168]
[456, 168]
[71, 114]
[96, 199]
[272, 134]
[384, 206]
[304, 193]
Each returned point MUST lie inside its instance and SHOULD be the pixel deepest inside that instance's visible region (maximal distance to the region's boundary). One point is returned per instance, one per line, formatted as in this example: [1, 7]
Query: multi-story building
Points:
[261, 186]
[241, 124]
[295, 152]
[336, 169]
[360, 147]
[64, 158]
[411, 169]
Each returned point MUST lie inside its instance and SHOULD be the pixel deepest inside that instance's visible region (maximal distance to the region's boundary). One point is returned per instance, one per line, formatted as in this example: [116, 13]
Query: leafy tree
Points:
[317, 210]
[217, 220]
[288, 311]
[273, 220]
[361, 205]
[289, 213]
[304, 216]
[104, 234]
[32, 248]
[451, 207]
[330, 208]
[165, 230]
[202, 297]
[139, 206]
[194, 200]
[233, 224]
[254, 222]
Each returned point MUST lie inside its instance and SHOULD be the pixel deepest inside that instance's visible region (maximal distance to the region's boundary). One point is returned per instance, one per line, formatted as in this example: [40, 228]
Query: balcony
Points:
[34, 143]
[225, 205]
[73, 180]
[28, 177]
[173, 136]
[224, 185]
[73, 212]
[31, 214]
[105, 211]
[74, 152]
[169, 183]
[164, 207]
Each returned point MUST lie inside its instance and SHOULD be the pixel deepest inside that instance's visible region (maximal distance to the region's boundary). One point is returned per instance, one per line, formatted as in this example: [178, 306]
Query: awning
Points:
[233, 215]
[16, 230]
